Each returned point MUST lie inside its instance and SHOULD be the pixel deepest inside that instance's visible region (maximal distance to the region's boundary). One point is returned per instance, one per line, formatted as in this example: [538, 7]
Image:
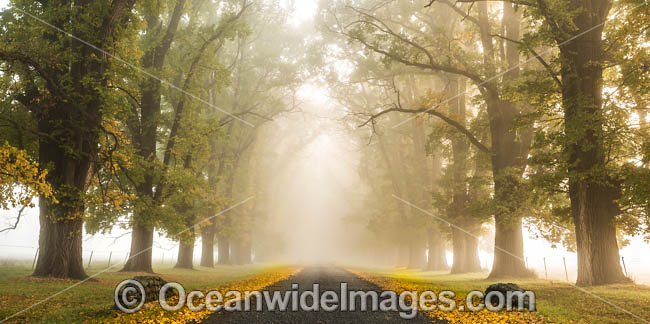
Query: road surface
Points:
[329, 278]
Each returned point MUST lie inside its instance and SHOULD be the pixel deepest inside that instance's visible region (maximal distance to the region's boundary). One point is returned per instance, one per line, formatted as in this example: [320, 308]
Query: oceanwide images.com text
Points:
[130, 297]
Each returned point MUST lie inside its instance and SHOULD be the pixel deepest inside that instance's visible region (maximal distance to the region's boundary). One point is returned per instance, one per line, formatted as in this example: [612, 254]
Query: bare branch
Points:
[475, 141]
[536, 55]
[461, 12]
[15, 225]
[432, 65]
[119, 237]
[523, 3]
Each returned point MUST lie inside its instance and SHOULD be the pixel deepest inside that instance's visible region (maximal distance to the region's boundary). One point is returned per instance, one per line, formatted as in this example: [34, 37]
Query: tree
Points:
[230, 27]
[62, 82]
[591, 148]
[265, 73]
[396, 175]
[143, 127]
[168, 126]
[396, 42]
[593, 199]
[21, 180]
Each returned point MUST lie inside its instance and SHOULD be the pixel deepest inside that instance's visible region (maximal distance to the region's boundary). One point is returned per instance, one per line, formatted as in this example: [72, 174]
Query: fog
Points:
[311, 192]
[309, 187]
[313, 185]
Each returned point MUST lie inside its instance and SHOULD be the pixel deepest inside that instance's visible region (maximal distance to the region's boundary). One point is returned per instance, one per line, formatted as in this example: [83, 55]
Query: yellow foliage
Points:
[433, 100]
[455, 316]
[20, 179]
[152, 313]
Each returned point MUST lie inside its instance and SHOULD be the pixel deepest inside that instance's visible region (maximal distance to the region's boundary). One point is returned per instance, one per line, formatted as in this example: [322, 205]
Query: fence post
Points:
[35, 256]
[127, 257]
[163, 259]
[526, 262]
[109, 259]
[545, 271]
[624, 267]
[90, 259]
[566, 273]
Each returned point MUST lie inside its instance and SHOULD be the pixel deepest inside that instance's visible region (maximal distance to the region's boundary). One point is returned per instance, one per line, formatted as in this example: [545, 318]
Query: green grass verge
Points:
[557, 302]
[94, 299]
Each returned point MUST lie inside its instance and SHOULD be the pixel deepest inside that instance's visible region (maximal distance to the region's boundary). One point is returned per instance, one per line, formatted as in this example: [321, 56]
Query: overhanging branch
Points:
[536, 55]
[15, 225]
[462, 129]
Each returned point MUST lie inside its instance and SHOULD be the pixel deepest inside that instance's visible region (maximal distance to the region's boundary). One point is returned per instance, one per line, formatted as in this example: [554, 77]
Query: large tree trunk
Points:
[471, 262]
[61, 231]
[417, 252]
[458, 248]
[508, 238]
[207, 246]
[437, 259]
[60, 243]
[508, 252]
[463, 244]
[145, 138]
[465, 252]
[510, 149]
[187, 239]
[75, 124]
[508, 165]
[593, 192]
[141, 250]
[223, 244]
[594, 209]
[460, 151]
[437, 255]
[185, 255]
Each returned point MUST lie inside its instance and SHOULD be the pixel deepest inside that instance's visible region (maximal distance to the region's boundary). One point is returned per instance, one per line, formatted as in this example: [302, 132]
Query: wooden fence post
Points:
[545, 271]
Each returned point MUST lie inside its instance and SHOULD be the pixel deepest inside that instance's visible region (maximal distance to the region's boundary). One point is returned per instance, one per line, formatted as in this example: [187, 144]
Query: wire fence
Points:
[562, 267]
[551, 267]
[92, 258]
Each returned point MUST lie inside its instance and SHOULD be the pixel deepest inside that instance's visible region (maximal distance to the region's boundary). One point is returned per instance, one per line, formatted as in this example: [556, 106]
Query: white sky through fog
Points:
[22, 242]
[304, 10]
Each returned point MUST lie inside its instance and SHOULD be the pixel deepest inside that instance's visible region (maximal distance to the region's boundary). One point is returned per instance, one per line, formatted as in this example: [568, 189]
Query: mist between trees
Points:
[379, 132]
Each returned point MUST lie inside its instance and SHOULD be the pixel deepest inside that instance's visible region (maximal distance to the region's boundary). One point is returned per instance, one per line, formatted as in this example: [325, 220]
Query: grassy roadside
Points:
[557, 302]
[94, 300]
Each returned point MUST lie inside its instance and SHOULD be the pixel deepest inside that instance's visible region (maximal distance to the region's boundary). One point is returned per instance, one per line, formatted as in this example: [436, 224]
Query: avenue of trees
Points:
[139, 114]
[533, 111]
[469, 115]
